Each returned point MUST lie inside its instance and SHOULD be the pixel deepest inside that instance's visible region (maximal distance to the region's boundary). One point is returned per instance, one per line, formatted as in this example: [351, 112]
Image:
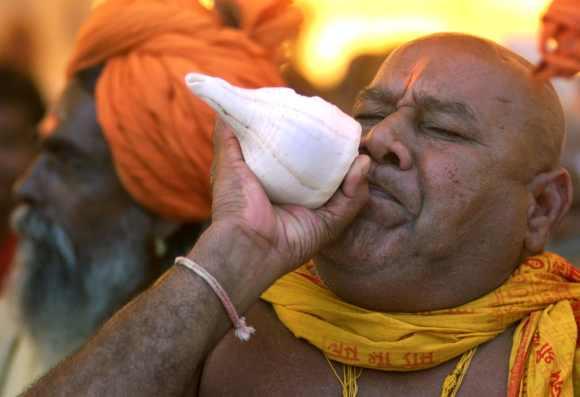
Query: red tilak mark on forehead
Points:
[415, 73]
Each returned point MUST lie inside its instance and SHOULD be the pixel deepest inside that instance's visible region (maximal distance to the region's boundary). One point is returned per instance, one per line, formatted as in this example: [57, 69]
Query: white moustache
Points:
[31, 225]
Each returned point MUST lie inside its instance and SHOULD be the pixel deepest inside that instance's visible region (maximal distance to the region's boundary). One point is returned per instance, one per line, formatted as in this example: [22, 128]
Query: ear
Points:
[551, 196]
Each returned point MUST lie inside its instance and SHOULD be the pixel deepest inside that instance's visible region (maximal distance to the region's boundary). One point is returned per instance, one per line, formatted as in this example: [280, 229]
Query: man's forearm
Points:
[156, 343]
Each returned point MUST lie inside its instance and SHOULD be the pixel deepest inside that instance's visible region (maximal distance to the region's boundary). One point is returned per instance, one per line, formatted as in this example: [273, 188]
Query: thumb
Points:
[346, 203]
[226, 146]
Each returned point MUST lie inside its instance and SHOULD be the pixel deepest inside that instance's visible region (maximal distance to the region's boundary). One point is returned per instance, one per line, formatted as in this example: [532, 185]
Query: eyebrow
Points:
[425, 101]
[376, 95]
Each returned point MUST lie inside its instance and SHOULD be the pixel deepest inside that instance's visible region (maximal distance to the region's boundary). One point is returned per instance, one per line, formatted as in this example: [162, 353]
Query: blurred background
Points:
[338, 34]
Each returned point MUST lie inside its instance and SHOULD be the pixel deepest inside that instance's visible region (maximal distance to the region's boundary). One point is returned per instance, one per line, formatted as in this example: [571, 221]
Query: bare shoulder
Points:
[274, 362]
[488, 373]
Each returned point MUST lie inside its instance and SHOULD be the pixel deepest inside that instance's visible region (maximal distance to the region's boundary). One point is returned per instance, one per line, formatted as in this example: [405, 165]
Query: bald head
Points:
[531, 105]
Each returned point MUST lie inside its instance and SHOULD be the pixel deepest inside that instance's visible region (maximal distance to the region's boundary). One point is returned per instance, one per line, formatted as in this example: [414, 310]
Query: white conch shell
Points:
[300, 148]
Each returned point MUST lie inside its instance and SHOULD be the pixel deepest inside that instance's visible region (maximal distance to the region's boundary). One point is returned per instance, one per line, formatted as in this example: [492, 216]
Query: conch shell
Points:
[300, 148]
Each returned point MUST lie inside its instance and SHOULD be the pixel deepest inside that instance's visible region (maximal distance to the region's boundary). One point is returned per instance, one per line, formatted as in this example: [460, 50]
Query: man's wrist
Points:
[236, 261]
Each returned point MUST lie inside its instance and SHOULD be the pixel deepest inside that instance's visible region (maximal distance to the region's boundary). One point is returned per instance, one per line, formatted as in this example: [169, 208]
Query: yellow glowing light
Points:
[209, 4]
[96, 3]
[339, 30]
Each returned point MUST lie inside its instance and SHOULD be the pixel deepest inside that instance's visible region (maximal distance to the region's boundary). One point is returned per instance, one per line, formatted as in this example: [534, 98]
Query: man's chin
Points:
[364, 247]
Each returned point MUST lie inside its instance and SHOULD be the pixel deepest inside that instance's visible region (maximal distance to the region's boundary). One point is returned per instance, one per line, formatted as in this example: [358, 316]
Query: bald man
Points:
[425, 273]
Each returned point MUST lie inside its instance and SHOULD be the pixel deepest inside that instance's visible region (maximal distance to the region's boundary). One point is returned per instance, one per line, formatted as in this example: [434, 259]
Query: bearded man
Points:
[122, 182]
[425, 273]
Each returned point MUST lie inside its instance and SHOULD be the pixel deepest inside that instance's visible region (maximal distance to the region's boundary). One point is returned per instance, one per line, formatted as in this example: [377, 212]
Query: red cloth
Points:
[7, 249]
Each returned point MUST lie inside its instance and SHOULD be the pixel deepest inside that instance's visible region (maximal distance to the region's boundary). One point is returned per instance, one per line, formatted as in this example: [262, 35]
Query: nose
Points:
[385, 146]
[26, 188]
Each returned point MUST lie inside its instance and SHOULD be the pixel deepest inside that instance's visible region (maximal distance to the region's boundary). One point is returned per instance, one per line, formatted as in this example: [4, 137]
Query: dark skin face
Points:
[18, 147]
[456, 181]
[73, 181]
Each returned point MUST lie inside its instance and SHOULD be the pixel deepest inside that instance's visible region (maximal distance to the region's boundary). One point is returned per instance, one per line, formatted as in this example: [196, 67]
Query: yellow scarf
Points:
[542, 293]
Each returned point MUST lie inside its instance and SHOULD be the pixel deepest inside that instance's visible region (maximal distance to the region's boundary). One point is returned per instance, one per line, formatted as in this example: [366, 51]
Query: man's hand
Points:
[283, 237]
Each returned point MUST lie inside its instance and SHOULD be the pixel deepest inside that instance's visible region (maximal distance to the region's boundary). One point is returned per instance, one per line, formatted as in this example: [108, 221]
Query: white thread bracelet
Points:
[242, 331]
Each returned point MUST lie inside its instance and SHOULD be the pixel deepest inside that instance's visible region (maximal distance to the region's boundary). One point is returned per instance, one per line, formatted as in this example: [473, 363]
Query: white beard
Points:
[60, 302]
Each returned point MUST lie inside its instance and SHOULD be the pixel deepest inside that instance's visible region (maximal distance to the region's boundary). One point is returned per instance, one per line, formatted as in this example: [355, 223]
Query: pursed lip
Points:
[383, 192]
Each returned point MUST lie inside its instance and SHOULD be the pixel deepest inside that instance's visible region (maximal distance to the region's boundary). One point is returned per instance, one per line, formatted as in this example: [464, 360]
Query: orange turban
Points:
[158, 132]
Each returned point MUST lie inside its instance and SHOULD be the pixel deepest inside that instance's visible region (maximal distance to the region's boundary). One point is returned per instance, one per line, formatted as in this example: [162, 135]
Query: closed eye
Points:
[65, 154]
[443, 133]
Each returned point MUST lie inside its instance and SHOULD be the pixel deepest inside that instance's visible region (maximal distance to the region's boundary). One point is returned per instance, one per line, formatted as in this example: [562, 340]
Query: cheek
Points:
[77, 200]
[451, 188]
[470, 206]
[96, 219]
[97, 207]
[455, 197]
